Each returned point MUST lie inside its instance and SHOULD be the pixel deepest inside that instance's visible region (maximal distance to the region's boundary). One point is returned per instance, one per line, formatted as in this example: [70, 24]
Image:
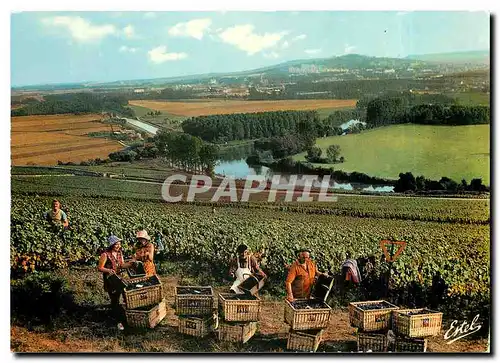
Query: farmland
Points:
[220, 107]
[433, 151]
[43, 140]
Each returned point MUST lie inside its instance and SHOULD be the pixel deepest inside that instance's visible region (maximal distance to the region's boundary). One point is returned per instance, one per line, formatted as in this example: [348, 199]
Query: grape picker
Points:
[301, 276]
[242, 267]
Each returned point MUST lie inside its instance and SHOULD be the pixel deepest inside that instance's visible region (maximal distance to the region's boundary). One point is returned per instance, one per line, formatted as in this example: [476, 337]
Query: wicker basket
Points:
[307, 319]
[415, 326]
[237, 332]
[144, 296]
[147, 317]
[198, 326]
[239, 310]
[370, 320]
[194, 304]
[372, 342]
[410, 345]
[305, 341]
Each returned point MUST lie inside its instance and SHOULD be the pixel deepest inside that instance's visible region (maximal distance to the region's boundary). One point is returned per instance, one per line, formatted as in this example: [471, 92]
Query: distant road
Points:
[143, 126]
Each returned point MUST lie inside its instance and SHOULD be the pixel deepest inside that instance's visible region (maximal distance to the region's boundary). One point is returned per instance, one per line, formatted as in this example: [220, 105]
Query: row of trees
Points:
[187, 152]
[241, 126]
[76, 103]
[407, 182]
[395, 110]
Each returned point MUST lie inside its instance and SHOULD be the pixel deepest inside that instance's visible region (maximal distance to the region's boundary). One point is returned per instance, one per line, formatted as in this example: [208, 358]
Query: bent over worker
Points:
[243, 266]
[301, 276]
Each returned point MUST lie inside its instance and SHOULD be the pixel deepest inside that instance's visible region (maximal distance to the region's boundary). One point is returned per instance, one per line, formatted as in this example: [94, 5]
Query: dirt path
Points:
[93, 336]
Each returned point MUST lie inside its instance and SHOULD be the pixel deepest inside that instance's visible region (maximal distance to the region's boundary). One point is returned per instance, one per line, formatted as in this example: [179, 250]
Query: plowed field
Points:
[43, 140]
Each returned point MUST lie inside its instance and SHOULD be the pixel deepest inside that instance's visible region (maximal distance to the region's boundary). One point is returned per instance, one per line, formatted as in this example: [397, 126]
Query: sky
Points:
[65, 47]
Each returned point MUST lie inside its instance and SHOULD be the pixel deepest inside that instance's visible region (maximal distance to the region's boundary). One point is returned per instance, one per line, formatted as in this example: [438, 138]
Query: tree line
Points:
[241, 126]
[408, 183]
[397, 110]
[76, 103]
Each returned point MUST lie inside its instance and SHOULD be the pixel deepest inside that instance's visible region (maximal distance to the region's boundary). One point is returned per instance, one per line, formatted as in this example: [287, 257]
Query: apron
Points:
[242, 273]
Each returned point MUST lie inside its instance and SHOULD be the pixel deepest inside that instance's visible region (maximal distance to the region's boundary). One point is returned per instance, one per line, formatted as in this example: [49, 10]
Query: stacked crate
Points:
[307, 319]
[373, 321]
[413, 326]
[145, 306]
[241, 313]
[197, 310]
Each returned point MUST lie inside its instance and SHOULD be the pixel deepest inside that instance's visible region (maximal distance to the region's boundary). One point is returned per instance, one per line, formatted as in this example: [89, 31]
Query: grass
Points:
[173, 121]
[458, 152]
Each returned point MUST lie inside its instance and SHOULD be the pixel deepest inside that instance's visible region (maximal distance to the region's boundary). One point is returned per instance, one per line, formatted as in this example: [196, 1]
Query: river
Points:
[239, 169]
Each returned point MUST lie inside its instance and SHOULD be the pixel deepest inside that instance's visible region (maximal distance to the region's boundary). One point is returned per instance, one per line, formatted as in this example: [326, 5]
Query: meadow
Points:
[457, 152]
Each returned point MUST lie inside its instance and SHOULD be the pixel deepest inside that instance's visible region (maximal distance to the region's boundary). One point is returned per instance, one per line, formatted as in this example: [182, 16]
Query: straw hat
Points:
[143, 234]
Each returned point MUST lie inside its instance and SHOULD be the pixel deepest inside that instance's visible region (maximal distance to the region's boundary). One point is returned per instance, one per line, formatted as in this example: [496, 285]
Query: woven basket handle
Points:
[251, 276]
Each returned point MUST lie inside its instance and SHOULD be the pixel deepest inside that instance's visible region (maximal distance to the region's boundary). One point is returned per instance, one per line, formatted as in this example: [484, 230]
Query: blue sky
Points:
[61, 47]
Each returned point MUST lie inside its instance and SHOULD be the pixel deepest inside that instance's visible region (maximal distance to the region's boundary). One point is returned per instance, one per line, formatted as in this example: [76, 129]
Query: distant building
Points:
[139, 90]
[346, 125]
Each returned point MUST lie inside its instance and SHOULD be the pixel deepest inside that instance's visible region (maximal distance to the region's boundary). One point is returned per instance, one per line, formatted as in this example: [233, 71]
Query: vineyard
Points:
[458, 252]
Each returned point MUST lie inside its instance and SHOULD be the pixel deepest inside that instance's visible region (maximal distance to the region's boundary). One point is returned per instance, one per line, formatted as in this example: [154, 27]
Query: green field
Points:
[172, 123]
[457, 152]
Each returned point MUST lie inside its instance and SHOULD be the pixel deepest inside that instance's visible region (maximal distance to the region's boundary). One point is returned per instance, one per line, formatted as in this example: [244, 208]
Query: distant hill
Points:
[281, 70]
[475, 57]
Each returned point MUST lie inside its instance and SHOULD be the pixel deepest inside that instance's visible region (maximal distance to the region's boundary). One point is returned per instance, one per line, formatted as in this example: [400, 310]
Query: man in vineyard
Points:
[242, 266]
[301, 276]
[56, 215]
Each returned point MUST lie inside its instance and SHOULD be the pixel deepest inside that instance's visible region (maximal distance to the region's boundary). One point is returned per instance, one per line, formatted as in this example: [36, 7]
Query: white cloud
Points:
[194, 28]
[124, 49]
[300, 37]
[285, 45]
[349, 49]
[150, 15]
[243, 37]
[272, 55]
[129, 31]
[159, 55]
[312, 51]
[79, 28]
